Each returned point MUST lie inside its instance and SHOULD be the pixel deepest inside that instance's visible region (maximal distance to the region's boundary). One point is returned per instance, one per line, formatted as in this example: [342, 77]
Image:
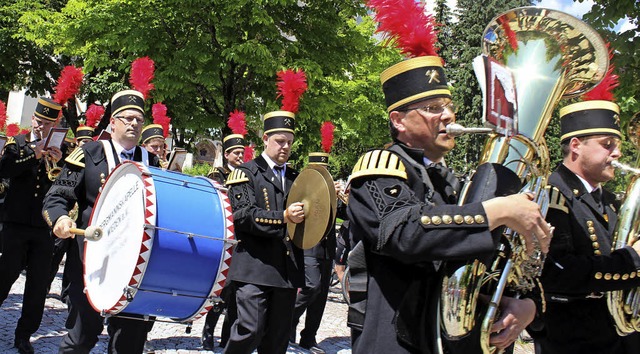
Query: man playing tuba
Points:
[580, 265]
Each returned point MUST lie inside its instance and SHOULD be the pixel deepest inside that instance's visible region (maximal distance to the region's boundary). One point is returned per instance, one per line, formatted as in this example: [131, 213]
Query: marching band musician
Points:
[83, 174]
[580, 265]
[152, 139]
[402, 205]
[267, 268]
[318, 261]
[233, 146]
[27, 239]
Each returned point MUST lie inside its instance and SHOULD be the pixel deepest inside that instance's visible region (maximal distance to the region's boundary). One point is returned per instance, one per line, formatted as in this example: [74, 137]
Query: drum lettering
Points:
[117, 209]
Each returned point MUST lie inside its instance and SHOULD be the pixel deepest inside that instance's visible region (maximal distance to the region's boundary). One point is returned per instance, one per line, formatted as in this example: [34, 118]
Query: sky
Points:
[576, 9]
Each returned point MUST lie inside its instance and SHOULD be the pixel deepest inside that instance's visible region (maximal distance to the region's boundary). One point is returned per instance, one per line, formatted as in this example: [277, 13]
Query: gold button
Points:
[625, 276]
[593, 237]
[257, 220]
[597, 252]
[436, 220]
[479, 219]
[279, 222]
[35, 195]
[447, 219]
[591, 230]
[589, 223]
[632, 275]
[598, 275]
[468, 219]
[607, 276]
[576, 192]
[37, 186]
[288, 253]
[616, 276]
[596, 245]
[270, 221]
[287, 239]
[262, 220]
[458, 219]
[638, 273]
[425, 220]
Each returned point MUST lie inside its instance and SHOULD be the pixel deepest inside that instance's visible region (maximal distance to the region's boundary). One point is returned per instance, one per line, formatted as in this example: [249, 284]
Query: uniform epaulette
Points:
[11, 140]
[557, 200]
[76, 157]
[379, 163]
[237, 176]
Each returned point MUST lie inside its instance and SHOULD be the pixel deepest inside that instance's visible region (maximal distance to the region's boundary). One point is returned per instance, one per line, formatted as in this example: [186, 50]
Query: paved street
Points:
[165, 337]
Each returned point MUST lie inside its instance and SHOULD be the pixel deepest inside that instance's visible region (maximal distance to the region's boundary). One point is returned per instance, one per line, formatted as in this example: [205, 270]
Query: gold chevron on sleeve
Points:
[557, 200]
[237, 176]
[76, 157]
[11, 140]
[379, 163]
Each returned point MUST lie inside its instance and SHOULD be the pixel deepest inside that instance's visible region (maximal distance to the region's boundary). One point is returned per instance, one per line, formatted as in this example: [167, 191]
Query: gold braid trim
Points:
[237, 176]
[76, 157]
[379, 163]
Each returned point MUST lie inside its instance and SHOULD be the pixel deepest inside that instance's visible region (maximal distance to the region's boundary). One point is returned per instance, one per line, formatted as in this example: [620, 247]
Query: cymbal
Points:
[312, 189]
[332, 197]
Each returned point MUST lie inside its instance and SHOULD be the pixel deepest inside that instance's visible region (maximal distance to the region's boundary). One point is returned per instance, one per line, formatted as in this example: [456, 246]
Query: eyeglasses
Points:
[130, 120]
[435, 108]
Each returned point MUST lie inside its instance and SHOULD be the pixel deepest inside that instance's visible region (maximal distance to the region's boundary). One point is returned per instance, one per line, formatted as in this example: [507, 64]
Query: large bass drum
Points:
[166, 245]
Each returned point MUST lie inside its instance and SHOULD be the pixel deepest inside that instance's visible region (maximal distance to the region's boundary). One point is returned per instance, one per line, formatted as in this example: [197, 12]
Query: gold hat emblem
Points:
[132, 98]
[45, 110]
[616, 117]
[433, 75]
[287, 122]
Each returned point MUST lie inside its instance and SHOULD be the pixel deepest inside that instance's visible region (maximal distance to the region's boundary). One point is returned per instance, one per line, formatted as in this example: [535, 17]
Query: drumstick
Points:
[91, 233]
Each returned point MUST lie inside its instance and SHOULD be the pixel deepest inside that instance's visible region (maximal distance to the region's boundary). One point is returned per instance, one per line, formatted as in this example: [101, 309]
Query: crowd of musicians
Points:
[404, 223]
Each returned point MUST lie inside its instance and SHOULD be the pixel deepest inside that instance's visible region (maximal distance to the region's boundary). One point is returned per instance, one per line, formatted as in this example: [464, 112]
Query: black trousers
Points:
[29, 247]
[85, 324]
[228, 302]
[263, 320]
[312, 298]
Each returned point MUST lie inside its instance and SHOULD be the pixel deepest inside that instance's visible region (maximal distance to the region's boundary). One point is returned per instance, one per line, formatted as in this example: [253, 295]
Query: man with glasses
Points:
[406, 214]
[83, 174]
[27, 239]
[581, 266]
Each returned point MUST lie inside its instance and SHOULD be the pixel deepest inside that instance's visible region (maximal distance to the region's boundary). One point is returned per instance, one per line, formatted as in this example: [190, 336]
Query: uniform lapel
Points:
[268, 172]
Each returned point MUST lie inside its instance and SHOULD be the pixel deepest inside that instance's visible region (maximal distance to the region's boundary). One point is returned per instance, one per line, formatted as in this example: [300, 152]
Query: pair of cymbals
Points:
[314, 188]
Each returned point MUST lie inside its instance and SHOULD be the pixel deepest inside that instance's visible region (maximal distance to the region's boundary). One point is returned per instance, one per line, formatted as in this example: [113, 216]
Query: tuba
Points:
[624, 305]
[552, 55]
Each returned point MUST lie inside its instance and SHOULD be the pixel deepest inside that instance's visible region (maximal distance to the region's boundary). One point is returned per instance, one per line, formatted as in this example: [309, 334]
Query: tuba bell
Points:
[552, 55]
[624, 305]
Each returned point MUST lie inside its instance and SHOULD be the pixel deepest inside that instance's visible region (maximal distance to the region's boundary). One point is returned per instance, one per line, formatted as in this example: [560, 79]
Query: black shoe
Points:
[207, 344]
[23, 345]
[314, 348]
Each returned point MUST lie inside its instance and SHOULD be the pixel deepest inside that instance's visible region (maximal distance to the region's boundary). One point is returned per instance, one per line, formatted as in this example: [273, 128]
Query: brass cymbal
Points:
[311, 188]
[333, 196]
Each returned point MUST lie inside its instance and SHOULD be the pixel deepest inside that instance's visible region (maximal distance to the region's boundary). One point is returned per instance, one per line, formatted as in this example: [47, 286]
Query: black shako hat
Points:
[586, 118]
[48, 109]
[127, 99]
[151, 131]
[319, 158]
[414, 80]
[279, 122]
[232, 141]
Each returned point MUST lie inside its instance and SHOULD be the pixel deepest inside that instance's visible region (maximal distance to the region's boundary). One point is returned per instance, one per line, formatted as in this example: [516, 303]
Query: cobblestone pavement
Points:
[333, 335]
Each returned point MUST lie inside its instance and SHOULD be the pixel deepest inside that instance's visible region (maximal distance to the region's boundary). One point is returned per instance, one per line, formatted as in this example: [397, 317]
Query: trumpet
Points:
[49, 164]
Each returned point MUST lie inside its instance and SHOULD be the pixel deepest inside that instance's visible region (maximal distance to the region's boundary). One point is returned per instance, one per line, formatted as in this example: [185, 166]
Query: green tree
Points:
[215, 56]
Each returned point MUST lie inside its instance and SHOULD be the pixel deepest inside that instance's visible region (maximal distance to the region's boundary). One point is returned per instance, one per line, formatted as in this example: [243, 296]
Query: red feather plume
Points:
[13, 129]
[237, 122]
[291, 86]
[248, 153]
[142, 72]
[159, 113]
[326, 131]
[407, 25]
[68, 84]
[3, 115]
[94, 114]
[603, 91]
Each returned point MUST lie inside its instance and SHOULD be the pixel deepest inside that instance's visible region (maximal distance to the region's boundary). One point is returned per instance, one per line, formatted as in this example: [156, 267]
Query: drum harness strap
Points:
[111, 161]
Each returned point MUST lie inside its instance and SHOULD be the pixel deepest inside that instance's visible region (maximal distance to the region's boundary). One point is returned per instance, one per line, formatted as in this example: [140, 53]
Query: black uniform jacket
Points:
[220, 174]
[406, 235]
[580, 266]
[28, 180]
[83, 174]
[265, 254]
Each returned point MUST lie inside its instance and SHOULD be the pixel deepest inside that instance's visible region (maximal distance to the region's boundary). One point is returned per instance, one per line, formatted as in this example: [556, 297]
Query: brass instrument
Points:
[50, 166]
[556, 56]
[624, 305]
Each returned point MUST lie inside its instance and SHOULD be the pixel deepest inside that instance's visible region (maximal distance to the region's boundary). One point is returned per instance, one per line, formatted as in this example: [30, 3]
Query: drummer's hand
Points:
[62, 226]
[294, 213]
